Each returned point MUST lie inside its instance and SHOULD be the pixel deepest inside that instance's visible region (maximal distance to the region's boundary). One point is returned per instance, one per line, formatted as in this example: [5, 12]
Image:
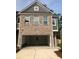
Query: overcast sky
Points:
[55, 5]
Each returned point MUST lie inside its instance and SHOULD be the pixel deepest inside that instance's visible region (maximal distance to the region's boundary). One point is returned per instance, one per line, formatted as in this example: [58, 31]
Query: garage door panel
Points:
[35, 40]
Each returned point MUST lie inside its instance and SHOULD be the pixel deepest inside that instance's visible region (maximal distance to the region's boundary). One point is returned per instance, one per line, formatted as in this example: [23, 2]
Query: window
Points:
[36, 20]
[27, 19]
[45, 20]
[36, 8]
[18, 20]
[54, 22]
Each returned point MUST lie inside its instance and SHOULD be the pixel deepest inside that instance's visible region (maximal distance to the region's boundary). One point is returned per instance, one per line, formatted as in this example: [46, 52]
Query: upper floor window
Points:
[45, 20]
[54, 22]
[36, 8]
[27, 19]
[36, 20]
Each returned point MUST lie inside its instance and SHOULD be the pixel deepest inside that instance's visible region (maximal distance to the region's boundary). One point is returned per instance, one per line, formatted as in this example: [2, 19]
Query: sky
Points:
[55, 5]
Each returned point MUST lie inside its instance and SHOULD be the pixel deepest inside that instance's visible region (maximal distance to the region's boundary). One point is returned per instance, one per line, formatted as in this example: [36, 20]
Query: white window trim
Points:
[47, 20]
[38, 20]
[28, 19]
[55, 22]
[55, 25]
[36, 7]
[56, 29]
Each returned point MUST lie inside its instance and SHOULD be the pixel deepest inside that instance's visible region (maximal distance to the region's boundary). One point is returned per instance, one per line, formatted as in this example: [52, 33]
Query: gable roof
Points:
[39, 3]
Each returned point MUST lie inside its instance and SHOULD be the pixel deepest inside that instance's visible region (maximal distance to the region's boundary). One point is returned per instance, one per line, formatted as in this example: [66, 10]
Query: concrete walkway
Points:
[37, 53]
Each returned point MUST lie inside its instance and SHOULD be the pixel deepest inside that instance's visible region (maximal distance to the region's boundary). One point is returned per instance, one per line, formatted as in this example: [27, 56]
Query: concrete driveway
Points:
[36, 53]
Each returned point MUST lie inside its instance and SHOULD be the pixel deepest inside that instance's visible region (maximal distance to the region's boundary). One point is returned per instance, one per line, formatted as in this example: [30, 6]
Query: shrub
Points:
[60, 45]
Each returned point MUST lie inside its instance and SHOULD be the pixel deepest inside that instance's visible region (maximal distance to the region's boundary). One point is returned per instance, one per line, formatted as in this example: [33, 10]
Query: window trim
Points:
[28, 19]
[36, 7]
[55, 22]
[46, 19]
[38, 20]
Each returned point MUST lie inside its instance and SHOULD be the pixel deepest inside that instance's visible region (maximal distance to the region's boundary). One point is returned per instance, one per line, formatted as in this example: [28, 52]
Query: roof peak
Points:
[39, 3]
[35, 0]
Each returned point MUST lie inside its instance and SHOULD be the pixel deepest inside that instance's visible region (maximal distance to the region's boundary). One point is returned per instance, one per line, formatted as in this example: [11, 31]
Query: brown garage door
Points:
[41, 40]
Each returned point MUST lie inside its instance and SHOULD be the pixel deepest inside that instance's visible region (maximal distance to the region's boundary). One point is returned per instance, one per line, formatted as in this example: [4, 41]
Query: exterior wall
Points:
[31, 29]
[40, 29]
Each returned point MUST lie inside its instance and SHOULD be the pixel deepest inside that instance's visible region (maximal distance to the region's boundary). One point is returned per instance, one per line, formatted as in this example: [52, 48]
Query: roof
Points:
[56, 15]
[36, 1]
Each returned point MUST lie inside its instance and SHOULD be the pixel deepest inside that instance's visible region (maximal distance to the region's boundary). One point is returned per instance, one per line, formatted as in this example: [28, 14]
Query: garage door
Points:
[41, 40]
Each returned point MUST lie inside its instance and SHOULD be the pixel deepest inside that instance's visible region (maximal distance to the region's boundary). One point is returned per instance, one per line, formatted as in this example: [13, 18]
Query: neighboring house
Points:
[60, 26]
[36, 26]
[57, 29]
[55, 18]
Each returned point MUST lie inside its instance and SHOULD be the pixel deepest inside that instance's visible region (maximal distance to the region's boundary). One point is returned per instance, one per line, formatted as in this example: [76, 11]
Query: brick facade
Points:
[31, 29]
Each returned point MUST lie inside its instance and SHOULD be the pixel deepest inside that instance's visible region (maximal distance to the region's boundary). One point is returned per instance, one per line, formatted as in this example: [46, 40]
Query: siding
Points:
[31, 9]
